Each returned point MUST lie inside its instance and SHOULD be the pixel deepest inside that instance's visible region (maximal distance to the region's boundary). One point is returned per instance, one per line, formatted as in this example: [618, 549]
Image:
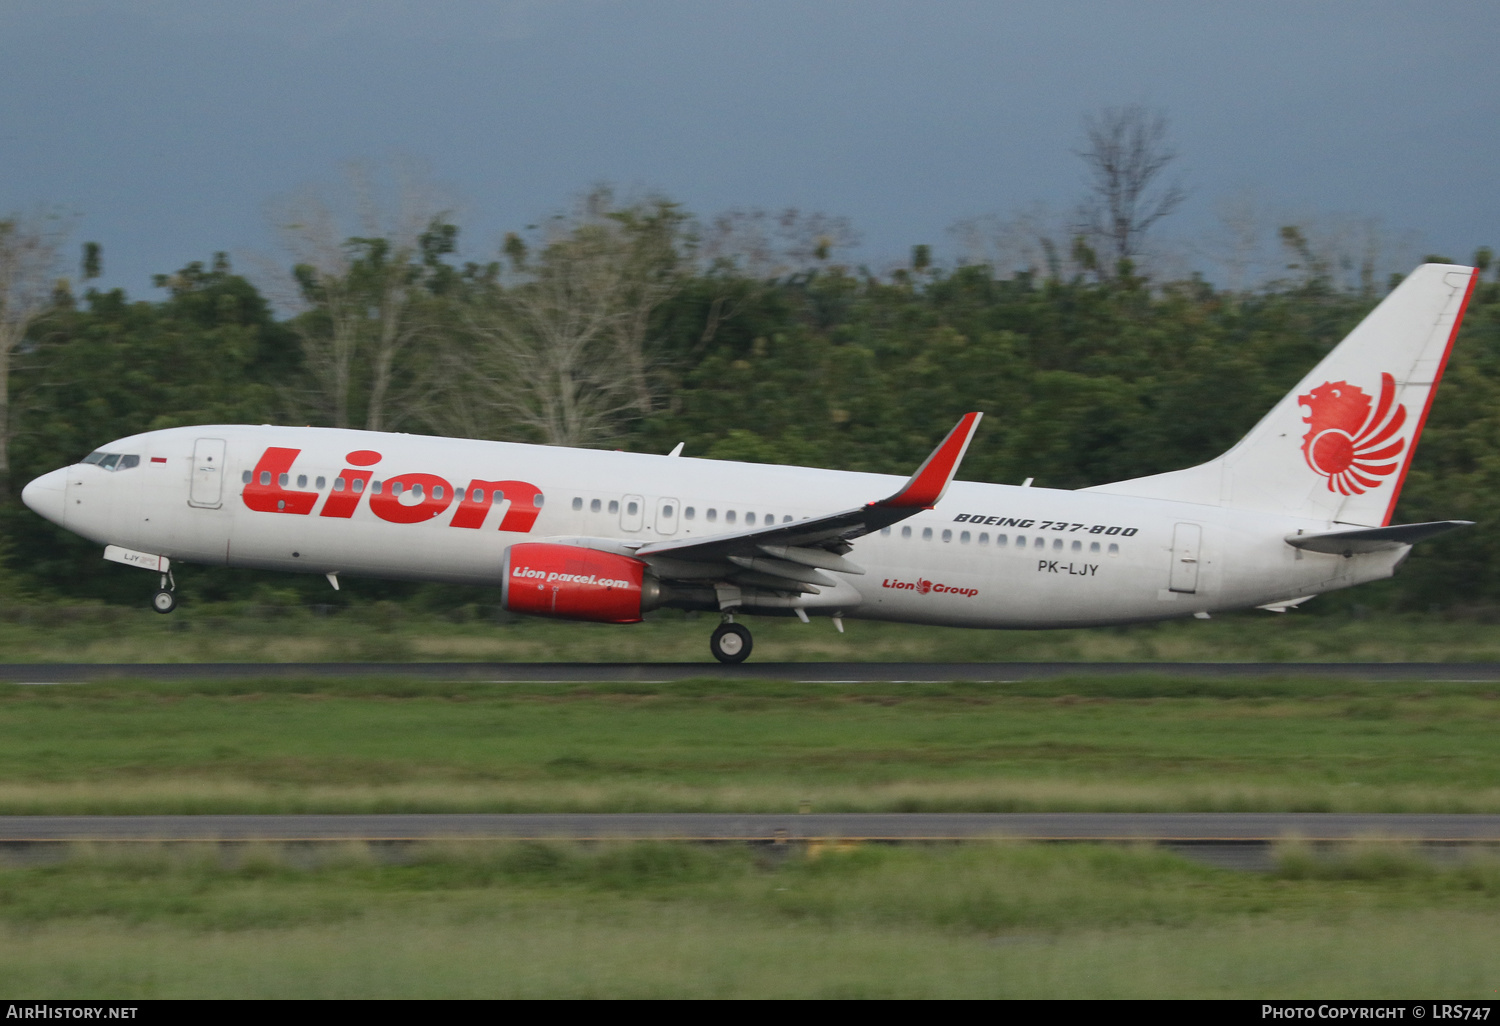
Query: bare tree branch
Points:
[29, 248]
[1126, 153]
[359, 283]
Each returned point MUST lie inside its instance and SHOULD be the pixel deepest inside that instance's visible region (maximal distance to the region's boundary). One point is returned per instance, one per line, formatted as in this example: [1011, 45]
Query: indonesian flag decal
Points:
[1347, 442]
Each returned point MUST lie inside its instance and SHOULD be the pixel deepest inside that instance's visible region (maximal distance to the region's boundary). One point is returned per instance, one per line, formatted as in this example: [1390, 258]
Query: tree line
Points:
[634, 326]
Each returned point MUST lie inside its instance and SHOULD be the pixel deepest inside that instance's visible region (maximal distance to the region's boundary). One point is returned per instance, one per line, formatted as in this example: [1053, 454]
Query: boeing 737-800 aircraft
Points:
[1302, 505]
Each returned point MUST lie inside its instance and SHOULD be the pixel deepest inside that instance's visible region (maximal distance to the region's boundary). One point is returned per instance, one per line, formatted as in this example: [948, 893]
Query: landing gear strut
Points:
[730, 642]
[164, 601]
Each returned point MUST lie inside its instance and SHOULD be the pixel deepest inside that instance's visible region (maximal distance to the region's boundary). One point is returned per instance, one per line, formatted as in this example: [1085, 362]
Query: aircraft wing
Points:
[791, 557]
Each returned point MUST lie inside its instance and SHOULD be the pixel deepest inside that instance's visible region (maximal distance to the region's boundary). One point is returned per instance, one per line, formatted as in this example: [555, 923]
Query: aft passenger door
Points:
[207, 489]
[1187, 540]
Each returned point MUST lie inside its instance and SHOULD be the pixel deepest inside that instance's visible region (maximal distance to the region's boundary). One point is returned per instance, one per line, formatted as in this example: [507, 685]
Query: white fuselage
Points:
[986, 556]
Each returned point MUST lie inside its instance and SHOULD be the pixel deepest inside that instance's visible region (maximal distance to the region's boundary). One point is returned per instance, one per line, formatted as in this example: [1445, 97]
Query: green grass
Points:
[386, 632]
[1133, 743]
[642, 920]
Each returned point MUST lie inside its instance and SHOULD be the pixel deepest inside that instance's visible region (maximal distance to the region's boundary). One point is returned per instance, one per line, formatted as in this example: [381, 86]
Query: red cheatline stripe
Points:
[932, 477]
[1437, 378]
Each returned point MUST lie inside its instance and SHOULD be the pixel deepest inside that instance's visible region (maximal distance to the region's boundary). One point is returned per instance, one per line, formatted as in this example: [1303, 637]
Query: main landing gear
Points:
[164, 601]
[730, 642]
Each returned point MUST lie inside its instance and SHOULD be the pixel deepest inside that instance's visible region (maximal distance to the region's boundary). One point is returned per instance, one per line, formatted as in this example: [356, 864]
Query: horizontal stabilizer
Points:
[1373, 539]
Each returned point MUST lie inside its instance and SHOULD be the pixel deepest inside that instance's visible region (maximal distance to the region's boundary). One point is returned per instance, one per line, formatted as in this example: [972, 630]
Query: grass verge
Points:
[384, 632]
[1137, 743]
[644, 920]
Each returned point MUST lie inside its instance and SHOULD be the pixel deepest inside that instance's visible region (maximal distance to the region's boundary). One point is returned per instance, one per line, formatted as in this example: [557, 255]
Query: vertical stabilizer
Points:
[1337, 447]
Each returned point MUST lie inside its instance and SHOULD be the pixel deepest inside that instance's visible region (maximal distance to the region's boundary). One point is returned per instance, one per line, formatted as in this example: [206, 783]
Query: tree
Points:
[564, 347]
[363, 291]
[1126, 154]
[28, 259]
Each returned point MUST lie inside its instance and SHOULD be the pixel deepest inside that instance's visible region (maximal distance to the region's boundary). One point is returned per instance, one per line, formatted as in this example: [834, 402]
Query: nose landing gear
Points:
[730, 642]
[164, 601]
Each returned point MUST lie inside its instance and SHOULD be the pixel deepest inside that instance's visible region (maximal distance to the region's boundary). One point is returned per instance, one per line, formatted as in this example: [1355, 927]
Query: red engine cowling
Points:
[575, 583]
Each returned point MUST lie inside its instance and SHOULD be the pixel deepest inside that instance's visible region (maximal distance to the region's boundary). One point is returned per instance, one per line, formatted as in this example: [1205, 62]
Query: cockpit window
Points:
[112, 460]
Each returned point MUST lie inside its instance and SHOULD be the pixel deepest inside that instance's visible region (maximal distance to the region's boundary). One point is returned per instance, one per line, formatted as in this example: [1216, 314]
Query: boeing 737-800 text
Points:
[1302, 505]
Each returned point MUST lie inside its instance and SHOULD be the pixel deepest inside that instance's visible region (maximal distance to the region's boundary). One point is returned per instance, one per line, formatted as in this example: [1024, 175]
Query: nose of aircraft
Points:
[47, 495]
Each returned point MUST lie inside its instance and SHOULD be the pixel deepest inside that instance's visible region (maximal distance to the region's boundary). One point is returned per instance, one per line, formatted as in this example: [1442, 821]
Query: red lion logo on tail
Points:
[1348, 443]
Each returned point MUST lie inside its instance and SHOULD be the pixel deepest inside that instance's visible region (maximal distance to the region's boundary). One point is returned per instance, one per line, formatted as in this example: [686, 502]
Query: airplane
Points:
[1300, 506]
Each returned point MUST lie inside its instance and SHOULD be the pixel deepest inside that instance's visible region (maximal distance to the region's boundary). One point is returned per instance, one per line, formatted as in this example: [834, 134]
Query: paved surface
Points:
[1228, 827]
[60, 673]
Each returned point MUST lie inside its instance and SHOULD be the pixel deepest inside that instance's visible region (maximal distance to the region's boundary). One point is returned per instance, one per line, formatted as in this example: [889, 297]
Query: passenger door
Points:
[1187, 540]
[207, 489]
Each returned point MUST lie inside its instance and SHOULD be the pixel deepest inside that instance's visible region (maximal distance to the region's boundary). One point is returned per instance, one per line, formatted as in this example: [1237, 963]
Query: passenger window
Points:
[321, 482]
[947, 536]
[964, 538]
[1057, 544]
[906, 532]
[786, 519]
[375, 487]
[1001, 539]
[577, 502]
[284, 480]
[359, 485]
[1040, 543]
[536, 500]
[1114, 550]
[689, 512]
[338, 484]
[749, 519]
[729, 516]
[712, 514]
[631, 509]
[416, 490]
[265, 478]
[245, 477]
[1093, 546]
[885, 532]
[395, 487]
[927, 534]
[437, 491]
[984, 537]
[301, 480]
[1020, 541]
[614, 506]
[666, 512]
[594, 505]
[1078, 546]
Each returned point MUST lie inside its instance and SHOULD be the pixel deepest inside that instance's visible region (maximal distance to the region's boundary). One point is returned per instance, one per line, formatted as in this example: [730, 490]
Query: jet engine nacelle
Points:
[575, 583]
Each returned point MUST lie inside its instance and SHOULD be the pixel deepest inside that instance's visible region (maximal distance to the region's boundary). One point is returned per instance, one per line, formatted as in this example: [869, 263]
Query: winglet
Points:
[931, 480]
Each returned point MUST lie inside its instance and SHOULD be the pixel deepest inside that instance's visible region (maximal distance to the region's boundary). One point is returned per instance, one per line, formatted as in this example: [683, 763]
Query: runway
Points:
[661, 673]
[1167, 828]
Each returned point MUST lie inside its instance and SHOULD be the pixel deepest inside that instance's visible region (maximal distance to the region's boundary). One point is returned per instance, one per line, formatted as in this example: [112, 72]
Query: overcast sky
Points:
[168, 126]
